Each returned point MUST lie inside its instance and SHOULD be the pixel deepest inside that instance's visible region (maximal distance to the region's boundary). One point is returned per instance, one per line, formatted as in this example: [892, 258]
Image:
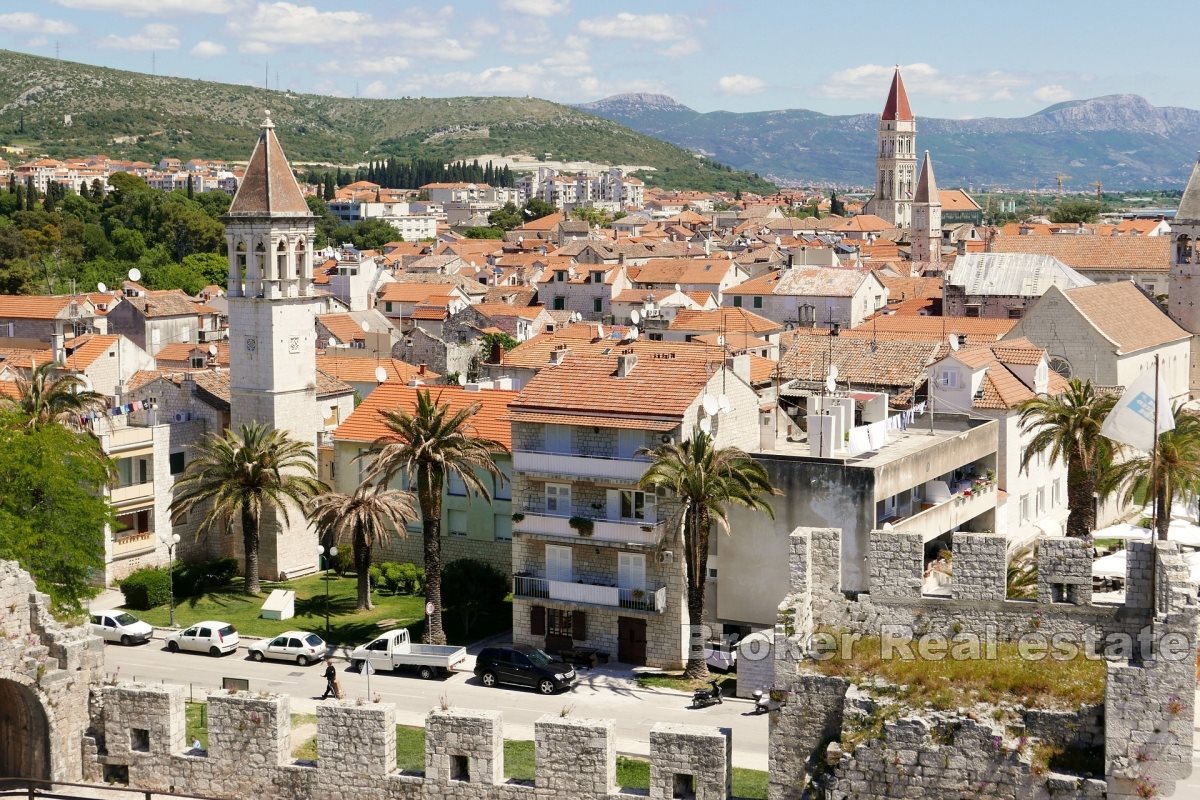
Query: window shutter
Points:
[613, 498]
[578, 626]
[537, 620]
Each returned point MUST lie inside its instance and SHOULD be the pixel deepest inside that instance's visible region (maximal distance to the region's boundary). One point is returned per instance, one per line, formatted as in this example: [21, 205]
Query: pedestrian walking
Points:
[331, 681]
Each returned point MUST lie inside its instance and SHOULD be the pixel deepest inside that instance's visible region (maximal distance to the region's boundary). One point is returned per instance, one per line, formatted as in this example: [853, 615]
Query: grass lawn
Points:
[664, 680]
[347, 625]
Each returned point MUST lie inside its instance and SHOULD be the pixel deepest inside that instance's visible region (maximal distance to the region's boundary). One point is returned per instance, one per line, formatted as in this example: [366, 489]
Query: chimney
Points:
[497, 353]
[961, 247]
[558, 355]
[739, 365]
[625, 364]
[58, 348]
[421, 368]
[621, 259]
[836, 329]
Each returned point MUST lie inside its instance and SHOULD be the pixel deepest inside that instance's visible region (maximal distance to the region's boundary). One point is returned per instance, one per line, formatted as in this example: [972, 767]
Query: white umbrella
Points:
[1110, 566]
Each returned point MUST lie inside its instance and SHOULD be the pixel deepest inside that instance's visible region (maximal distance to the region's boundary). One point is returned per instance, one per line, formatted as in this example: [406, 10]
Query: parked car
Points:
[394, 650]
[120, 626]
[300, 646]
[212, 637]
[522, 665]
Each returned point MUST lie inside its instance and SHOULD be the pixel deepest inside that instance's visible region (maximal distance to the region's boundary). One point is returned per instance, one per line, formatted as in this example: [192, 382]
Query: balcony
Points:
[133, 493]
[961, 508]
[132, 545]
[646, 534]
[121, 438]
[626, 470]
[652, 600]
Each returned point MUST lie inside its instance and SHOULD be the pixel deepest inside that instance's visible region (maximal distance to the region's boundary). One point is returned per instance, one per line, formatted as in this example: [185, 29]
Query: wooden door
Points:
[631, 641]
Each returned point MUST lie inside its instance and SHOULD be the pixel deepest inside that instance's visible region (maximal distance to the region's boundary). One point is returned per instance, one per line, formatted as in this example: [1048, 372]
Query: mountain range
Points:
[63, 108]
[1120, 140]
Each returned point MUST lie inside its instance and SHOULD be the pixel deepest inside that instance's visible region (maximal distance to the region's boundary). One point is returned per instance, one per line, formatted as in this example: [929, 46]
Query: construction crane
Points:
[1062, 179]
[1099, 189]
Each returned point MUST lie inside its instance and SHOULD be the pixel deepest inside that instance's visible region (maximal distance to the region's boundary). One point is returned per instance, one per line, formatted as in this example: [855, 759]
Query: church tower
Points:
[272, 332]
[896, 161]
[1183, 296]
[926, 234]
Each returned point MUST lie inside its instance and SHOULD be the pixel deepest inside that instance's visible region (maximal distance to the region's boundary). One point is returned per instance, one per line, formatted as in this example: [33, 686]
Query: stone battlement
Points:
[138, 734]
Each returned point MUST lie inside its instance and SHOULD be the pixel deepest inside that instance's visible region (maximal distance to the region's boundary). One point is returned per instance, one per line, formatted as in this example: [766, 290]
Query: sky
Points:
[969, 59]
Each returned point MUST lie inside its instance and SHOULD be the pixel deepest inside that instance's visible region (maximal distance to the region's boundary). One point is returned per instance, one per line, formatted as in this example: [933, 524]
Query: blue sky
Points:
[967, 59]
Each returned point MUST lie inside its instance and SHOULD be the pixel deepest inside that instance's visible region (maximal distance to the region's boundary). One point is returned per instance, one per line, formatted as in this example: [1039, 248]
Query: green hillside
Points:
[133, 115]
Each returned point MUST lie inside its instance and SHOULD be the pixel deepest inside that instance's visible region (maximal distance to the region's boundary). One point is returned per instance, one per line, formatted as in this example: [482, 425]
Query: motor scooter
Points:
[762, 701]
[707, 697]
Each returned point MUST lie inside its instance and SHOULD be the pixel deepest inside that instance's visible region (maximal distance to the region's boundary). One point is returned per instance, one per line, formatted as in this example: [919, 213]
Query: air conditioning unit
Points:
[667, 439]
[661, 491]
[666, 557]
[183, 416]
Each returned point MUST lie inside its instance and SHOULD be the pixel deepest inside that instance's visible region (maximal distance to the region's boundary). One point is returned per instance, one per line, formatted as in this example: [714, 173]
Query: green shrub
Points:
[192, 580]
[343, 562]
[398, 578]
[146, 588]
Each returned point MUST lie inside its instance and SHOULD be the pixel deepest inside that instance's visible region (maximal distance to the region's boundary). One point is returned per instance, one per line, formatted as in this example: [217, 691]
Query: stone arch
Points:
[280, 267]
[300, 253]
[1183, 249]
[24, 733]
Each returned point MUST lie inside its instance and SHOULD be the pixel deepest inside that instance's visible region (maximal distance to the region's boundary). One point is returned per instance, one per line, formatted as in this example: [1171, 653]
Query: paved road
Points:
[597, 696]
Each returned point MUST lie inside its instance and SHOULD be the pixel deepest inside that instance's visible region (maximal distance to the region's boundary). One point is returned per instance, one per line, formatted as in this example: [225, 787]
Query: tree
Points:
[1066, 427]
[536, 208]
[1068, 211]
[483, 233]
[473, 587]
[53, 510]
[1174, 471]
[237, 478]
[505, 218]
[705, 481]
[363, 518]
[836, 207]
[373, 234]
[428, 446]
[45, 398]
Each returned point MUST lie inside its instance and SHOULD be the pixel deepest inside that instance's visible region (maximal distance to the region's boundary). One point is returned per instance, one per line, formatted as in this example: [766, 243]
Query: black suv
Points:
[522, 665]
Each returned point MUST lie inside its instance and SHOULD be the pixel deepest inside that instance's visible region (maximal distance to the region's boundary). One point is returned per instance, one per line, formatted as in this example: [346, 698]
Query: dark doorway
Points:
[631, 641]
[24, 734]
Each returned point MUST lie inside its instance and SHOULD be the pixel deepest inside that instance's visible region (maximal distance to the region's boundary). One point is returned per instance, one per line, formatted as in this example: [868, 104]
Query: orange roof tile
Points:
[1083, 251]
[729, 320]
[682, 270]
[26, 306]
[490, 421]
[1124, 315]
[362, 370]
[342, 327]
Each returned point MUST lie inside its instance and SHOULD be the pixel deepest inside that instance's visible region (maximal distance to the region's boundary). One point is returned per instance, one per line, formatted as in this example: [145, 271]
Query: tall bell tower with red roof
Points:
[896, 160]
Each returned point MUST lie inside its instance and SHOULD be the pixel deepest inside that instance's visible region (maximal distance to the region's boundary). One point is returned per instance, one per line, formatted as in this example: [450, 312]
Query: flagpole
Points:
[1154, 456]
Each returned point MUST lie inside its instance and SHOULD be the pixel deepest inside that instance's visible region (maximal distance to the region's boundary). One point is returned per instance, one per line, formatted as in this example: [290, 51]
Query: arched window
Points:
[301, 262]
[281, 254]
[1183, 250]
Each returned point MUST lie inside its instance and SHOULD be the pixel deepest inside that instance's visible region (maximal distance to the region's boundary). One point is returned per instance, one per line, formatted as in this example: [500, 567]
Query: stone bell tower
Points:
[926, 235]
[272, 328]
[896, 159]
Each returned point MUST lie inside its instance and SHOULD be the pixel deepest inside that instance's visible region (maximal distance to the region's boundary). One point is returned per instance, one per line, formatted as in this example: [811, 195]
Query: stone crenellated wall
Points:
[895, 564]
[980, 563]
[1064, 571]
[139, 732]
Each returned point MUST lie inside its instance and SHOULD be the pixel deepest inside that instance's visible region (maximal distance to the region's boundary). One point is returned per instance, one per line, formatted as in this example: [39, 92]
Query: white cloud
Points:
[740, 84]
[154, 36]
[141, 8]
[208, 49]
[376, 89]
[669, 29]
[870, 81]
[271, 25]
[535, 8]
[384, 65]
[1054, 93]
[25, 22]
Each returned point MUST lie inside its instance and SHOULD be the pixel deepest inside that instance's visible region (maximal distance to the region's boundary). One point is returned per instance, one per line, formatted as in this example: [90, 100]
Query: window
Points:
[502, 525]
[558, 622]
[971, 311]
[177, 463]
[597, 276]
[560, 275]
[560, 303]
[1015, 313]
[388, 306]
[455, 486]
[634, 504]
[503, 485]
[949, 379]
[1041, 500]
[197, 362]
[558, 499]
[139, 740]
[1024, 508]
[1056, 493]
[557, 438]
[458, 522]
[598, 304]
[737, 301]
[756, 302]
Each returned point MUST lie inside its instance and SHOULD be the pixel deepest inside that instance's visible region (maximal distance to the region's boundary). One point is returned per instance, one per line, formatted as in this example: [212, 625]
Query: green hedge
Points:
[192, 580]
[147, 588]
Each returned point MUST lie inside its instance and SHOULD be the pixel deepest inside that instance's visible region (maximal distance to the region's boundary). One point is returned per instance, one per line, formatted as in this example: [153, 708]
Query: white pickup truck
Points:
[394, 651]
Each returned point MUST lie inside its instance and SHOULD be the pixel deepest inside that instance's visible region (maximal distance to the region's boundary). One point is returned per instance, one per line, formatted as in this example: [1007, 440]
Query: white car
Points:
[120, 626]
[210, 636]
[300, 646]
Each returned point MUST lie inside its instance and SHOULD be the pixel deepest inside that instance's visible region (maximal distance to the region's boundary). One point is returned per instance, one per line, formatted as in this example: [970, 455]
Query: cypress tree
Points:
[190, 189]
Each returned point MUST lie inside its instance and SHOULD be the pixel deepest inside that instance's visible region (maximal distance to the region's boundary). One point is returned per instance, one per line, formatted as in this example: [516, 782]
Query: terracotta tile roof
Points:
[638, 295]
[164, 303]
[905, 288]
[362, 370]
[10, 389]
[546, 223]
[268, 188]
[25, 306]
[735, 342]
[343, 327]
[1018, 351]
[430, 312]
[762, 369]
[935, 328]
[682, 270]
[1001, 389]
[550, 418]
[410, 292]
[580, 341]
[956, 200]
[862, 223]
[329, 386]
[366, 424]
[182, 351]
[729, 320]
[83, 351]
[507, 310]
[860, 362]
[1125, 316]
[896, 107]
[804, 282]
[1082, 251]
[513, 295]
[658, 387]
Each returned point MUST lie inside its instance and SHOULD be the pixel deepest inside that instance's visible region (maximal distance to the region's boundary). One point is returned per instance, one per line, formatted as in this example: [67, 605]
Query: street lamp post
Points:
[333, 551]
[174, 540]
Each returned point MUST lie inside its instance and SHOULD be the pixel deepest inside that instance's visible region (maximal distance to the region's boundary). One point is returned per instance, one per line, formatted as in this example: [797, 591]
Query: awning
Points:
[635, 423]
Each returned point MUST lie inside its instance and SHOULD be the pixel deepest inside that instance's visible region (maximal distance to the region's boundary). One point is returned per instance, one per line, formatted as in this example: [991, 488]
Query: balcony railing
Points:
[603, 530]
[653, 600]
[628, 470]
[133, 544]
[133, 492]
[962, 507]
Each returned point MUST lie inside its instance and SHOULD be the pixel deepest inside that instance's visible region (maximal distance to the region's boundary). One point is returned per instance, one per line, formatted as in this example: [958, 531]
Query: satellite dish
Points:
[953, 340]
[721, 340]
[101, 288]
[706, 425]
[678, 288]
[833, 371]
[212, 349]
[635, 317]
[830, 384]
[462, 380]
[887, 526]
[380, 374]
[633, 332]
[135, 274]
[366, 326]
[711, 405]
[723, 402]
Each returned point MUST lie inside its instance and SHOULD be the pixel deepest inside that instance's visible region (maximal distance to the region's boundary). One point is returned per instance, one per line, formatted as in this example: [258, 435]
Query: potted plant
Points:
[518, 516]
[584, 526]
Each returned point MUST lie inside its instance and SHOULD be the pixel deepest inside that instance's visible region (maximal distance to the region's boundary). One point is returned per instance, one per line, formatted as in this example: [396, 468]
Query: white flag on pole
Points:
[1131, 420]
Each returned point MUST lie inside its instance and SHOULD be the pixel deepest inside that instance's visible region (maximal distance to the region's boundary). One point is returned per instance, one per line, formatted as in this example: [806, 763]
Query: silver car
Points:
[300, 646]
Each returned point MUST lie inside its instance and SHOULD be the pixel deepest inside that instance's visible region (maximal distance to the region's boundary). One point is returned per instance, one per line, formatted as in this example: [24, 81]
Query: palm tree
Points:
[705, 481]
[1067, 428]
[427, 446]
[241, 476]
[46, 398]
[1175, 471]
[363, 518]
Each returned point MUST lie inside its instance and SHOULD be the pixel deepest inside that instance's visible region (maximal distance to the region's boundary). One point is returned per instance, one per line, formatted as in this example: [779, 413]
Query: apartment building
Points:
[811, 296]
[597, 559]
